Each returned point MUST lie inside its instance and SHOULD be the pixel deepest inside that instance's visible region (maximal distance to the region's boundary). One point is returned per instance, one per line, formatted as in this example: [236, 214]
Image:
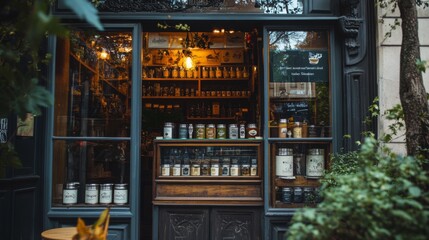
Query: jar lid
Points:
[251, 125]
[221, 125]
[200, 125]
[168, 124]
[315, 151]
[285, 151]
[70, 186]
[233, 125]
[121, 186]
[283, 120]
[286, 189]
[210, 125]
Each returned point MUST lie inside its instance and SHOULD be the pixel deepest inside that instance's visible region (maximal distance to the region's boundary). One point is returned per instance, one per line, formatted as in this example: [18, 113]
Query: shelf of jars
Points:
[85, 64]
[202, 171]
[296, 168]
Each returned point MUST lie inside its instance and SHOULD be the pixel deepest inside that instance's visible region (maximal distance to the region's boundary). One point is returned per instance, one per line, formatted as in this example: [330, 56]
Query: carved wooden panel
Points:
[183, 224]
[235, 223]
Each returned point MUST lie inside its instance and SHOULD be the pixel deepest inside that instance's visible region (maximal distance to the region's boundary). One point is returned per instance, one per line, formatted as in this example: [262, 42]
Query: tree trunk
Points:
[412, 91]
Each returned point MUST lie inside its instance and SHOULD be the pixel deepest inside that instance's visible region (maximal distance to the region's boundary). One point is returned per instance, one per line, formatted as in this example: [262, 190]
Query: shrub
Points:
[369, 194]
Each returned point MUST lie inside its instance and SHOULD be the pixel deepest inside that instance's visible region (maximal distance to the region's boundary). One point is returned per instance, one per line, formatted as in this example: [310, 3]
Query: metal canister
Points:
[91, 193]
[284, 162]
[254, 167]
[308, 195]
[200, 130]
[221, 131]
[106, 191]
[233, 131]
[168, 130]
[252, 131]
[226, 167]
[183, 131]
[120, 195]
[298, 195]
[315, 162]
[242, 131]
[70, 193]
[286, 195]
[210, 131]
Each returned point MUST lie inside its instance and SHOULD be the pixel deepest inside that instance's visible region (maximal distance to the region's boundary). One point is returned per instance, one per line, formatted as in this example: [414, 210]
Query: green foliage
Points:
[369, 194]
[24, 28]
[421, 65]
[85, 10]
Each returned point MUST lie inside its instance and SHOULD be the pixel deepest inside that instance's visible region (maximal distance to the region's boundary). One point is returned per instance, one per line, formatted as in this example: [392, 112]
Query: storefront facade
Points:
[135, 128]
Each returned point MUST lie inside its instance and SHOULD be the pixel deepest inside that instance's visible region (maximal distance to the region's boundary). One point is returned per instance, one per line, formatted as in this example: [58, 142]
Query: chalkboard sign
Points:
[299, 66]
[299, 110]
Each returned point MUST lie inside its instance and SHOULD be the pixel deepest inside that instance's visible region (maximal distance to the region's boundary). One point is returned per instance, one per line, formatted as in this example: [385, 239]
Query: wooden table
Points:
[65, 233]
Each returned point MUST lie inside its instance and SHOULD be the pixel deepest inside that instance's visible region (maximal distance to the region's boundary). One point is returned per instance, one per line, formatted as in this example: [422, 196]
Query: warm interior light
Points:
[189, 63]
[231, 31]
[104, 54]
[216, 31]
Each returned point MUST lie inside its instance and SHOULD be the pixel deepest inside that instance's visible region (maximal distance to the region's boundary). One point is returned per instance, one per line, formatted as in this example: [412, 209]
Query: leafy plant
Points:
[378, 196]
[24, 28]
[97, 231]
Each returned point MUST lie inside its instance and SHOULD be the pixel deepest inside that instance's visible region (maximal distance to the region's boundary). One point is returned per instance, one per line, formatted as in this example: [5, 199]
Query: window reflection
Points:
[299, 87]
[92, 84]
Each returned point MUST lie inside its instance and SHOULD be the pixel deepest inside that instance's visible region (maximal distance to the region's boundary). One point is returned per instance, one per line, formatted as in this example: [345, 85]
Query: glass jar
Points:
[226, 167]
[195, 169]
[286, 195]
[168, 130]
[190, 130]
[298, 195]
[312, 131]
[212, 73]
[165, 73]
[165, 169]
[235, 170]
[200, 131]
[175, 73]
[210, 131]
[225, 72]
[183, 131]
[70, 193]
[315, 162]
[252, 131]
[120, 195]
[221, 131]
[177, 169]
[186, 169]
[233, 131]
[297, 130]
[245, 170]
[308, 195]
[218, 72]
[214, 169]
[282, 128]
[205, 72]
[242, 131]
[91, 193]
[284, 162]
[205, 169]
[106, 190]
[182, 73]
[232, 73]
[254, 168]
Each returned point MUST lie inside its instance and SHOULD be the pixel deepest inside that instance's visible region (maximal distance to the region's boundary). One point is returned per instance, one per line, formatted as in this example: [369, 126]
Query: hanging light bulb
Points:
[104, 54]
[189, 63]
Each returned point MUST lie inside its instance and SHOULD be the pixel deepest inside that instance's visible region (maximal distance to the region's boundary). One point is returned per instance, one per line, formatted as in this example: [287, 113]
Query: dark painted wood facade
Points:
[25, 194]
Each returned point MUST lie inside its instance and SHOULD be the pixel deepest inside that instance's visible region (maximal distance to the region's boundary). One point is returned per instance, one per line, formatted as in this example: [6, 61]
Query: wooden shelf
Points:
[195, 79]
[299, 181]
[194, 97]
[83, 63]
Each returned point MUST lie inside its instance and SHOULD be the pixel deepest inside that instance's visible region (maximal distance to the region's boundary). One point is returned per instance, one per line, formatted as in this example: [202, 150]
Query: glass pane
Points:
[299, 87]
[92, 84]
[86, 162]
[208, 161]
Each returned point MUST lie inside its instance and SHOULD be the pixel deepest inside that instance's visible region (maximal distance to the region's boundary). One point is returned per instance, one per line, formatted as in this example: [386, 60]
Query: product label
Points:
[70, 196]
[120, 196]
[315, 165]
[284, 166]
[106, 196]
[91, 196]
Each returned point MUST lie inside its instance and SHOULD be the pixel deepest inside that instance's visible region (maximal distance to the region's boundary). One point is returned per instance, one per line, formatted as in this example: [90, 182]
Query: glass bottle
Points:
[282, 128]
